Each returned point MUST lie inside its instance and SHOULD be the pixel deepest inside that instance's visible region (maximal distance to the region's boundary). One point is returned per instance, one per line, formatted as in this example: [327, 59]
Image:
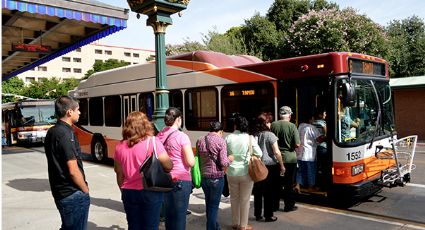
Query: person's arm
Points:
[165, 161]
[188, 155]
[278, 155]
[76, 175]
[355, 123]
[119, 173]
[255, 147]
[224, 160]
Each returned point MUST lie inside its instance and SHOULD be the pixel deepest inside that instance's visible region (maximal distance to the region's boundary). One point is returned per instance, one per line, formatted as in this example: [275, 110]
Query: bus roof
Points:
[217, 59]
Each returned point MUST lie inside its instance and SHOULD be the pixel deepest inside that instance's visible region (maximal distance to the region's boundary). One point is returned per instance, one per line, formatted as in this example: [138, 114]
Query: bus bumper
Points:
[357, 191]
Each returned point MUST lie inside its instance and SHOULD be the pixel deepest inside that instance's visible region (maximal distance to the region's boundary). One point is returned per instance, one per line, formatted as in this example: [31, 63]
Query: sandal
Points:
[271, 219]
[247, 227]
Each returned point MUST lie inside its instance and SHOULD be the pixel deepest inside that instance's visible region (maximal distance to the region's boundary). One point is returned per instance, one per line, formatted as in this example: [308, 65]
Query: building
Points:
[76, 63]
[409, 105]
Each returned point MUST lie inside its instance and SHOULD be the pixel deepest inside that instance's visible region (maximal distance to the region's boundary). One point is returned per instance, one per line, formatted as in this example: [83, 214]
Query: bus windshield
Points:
[361, 122]
[37, 115]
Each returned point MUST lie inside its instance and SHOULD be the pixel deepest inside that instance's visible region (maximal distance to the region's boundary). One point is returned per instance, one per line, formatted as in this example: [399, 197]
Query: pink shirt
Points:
[132, 158]
[174, 147]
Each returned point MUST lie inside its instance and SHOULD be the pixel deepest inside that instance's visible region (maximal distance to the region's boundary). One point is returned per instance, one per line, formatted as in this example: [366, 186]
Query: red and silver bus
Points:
[210, 86]
[27, 121]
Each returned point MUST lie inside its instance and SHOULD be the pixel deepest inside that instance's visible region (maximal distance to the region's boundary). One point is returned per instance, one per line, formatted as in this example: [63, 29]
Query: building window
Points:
[98, 60]
[98, 52]
[77, 70]
[127, 54]
[135, 55]
[78, 50]
[108, 52]
[42, 68]
[66, 70]
[76, 59]
[66, 59]
[29, 79]
[135, 63]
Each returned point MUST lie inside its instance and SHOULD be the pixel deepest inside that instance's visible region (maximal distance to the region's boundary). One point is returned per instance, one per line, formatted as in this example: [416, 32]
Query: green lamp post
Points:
[159, 17]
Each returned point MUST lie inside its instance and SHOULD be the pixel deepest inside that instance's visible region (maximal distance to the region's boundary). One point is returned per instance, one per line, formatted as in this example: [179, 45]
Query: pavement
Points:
[27, 202]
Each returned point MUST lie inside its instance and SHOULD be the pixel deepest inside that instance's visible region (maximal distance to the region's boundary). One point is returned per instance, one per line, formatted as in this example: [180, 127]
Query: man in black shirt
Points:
[66, 174]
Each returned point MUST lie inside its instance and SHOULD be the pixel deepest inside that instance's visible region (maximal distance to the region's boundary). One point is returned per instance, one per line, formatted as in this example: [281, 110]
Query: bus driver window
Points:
[347, 126]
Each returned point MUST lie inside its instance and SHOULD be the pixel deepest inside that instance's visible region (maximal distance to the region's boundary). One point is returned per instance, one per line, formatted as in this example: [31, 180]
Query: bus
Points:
[27, 121]
[209, 86]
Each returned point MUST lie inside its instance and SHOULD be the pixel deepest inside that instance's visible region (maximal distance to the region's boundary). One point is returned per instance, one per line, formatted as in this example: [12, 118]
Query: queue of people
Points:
[275, 143]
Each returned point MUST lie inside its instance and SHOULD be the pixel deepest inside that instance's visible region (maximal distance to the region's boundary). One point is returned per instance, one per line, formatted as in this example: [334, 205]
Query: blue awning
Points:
[96, 24]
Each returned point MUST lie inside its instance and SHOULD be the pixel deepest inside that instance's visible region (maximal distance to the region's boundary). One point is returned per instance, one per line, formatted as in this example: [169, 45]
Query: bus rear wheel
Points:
[98, 149]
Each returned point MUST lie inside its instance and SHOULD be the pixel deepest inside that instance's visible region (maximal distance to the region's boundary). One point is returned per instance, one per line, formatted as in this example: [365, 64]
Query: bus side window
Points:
[201, 108]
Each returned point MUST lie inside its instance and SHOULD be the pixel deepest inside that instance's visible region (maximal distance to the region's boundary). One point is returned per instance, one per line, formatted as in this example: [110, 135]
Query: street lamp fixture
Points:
[159, 17]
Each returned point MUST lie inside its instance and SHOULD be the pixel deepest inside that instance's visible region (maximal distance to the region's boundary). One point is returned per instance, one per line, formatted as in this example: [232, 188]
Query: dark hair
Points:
[319, 111]
[215, 126]
[262, 120]
[136, 127]
[171, 115]
[241, 124]
[63, 104]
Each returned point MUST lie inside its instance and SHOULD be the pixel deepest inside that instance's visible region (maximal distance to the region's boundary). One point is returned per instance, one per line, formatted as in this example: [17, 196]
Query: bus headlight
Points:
[357, 169]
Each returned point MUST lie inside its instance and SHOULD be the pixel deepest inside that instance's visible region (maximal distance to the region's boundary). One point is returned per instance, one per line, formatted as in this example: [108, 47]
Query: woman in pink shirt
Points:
[179, 149]
[142, 207]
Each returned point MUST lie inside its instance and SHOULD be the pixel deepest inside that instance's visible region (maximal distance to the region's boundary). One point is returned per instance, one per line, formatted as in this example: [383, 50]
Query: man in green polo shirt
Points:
[289, 140]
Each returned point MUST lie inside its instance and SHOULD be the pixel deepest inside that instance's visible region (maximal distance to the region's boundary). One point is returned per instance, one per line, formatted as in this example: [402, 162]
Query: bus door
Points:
[129, 103]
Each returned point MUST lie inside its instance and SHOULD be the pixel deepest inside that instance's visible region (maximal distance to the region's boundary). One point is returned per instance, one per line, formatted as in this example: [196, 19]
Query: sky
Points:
[202, 16]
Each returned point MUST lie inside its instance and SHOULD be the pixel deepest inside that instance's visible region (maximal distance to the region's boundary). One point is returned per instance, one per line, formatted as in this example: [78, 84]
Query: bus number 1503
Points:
[354, 156]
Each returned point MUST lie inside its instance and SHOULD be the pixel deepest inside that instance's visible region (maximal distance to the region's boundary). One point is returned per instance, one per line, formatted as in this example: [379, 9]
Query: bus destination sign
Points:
[366, 67]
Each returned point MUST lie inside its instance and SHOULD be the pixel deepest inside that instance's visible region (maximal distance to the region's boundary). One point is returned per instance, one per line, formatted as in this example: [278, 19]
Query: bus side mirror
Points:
[348, 94]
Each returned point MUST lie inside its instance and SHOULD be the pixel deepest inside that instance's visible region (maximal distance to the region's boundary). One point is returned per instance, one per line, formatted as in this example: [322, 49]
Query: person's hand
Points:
[231, 158]
[282, 170]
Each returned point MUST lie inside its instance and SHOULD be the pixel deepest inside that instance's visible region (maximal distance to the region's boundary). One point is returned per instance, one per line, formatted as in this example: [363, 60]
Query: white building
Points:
[75, 64]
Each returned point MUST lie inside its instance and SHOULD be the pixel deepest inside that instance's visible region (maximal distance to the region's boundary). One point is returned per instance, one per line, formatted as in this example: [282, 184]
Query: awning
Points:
[37, 31]
[407, 82]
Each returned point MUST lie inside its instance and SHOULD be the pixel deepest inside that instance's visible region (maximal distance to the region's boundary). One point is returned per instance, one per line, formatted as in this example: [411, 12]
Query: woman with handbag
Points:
[178, 146]
[267, 189]
[213, 154]
[141, 206]
[240, 183]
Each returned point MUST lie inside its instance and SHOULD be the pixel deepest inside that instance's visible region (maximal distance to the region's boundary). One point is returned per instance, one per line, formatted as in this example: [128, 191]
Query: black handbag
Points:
[154, 177]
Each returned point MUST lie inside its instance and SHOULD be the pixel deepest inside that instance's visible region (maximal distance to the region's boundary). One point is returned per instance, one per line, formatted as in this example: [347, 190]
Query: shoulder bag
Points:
[154, 177]
[196, 170]
[256, 168]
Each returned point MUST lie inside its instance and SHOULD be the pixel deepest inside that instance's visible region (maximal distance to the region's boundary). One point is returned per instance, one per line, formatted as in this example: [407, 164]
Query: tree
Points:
[102, 66]
[186, 47]
[13, 85]
[261, 37]
[335, 30]
[407, 47]
[49, 88]
[231, 42]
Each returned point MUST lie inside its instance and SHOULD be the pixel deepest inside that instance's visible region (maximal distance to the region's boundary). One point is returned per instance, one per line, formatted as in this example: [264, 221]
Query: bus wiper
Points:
[378, 117]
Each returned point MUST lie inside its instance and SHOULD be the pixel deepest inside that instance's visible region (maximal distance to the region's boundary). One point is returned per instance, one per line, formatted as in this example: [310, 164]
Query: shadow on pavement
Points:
[93, 226]
[107, 203]
[30, 184]
[13, 150]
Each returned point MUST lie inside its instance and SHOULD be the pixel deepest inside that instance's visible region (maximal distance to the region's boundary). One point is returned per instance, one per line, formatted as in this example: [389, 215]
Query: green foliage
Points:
[230, 42]
[186, 47]
[335, 30]
[261, 37]
[13, 85]
[99, 66]
[407, 47]
[43, 89]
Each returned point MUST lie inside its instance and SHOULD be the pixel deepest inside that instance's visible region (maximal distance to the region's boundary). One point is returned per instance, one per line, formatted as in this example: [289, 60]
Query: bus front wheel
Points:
[98, 149]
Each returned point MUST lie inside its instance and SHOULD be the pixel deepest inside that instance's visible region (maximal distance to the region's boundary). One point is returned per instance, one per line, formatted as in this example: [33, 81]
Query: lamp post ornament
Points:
[159, 17]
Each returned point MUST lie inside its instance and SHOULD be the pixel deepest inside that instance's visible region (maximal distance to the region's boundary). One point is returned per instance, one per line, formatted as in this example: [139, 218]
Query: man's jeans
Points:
[213, 189]
[142, 208]
[176, 204]
[74, 211]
